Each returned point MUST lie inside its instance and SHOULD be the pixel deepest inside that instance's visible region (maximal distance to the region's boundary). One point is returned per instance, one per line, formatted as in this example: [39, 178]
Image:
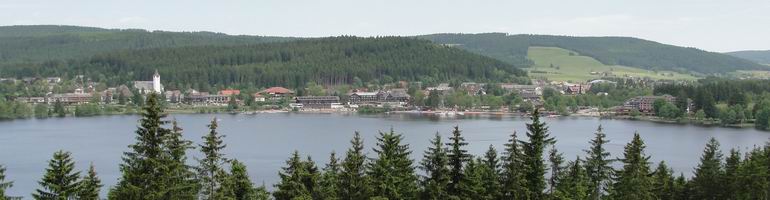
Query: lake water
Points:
[265, 141]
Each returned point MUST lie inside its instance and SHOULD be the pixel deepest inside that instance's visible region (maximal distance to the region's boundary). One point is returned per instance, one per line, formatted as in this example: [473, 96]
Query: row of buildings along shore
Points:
[395, 96]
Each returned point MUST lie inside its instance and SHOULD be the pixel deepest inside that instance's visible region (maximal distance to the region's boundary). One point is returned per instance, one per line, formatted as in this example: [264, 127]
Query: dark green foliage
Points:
[210, 171]
[533, 150]
[41, 111]
[435, 164]
[663, 186]
[239, 182]
[182, 180]
[556, 161]
[335, 60]
[60, 181]
[490, 174]
[731, 186]
[708, 177]
[513, 179]
[608, 50]
[59, 109]
[598, 166]
[457, 159]
[353, 179]
[89, 186]
[298, 180]
[472, 184]
[753, 176]
[329, 184]
[762, 120]
[145, 169]
[633, 180]
[762, 57]
[573, 183]
[391, 172]
[3, 184]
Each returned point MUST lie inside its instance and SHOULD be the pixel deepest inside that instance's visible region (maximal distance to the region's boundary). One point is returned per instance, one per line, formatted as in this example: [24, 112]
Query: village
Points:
[402, 96]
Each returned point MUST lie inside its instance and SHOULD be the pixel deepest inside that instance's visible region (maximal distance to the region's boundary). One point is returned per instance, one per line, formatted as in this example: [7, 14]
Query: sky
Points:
[713, 25]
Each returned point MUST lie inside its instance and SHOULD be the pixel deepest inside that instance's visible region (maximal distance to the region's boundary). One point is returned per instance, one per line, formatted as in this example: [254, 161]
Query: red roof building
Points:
[229, 92]
[277, 91]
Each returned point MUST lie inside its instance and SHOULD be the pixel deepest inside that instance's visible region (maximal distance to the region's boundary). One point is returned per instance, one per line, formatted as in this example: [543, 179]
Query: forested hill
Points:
[327, 60]
[608, 50]
[756, 56]
[38, 43]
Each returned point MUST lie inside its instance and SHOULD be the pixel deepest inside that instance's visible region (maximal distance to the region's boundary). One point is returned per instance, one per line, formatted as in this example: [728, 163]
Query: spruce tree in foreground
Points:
[731, 184]
[472, 184]
[90, 185]
[457, 159]
[557, 166]
[490, 174]
[330, 179]
[663, 186]
[239, 182]
[753, 176]
[353, 180]
[182, 182]
[598, 166]
[633, 181]
[574, 183]
[60, 181]
[292, 176]
[535, 167]
[144, 168]
[210, 171]
[391, 172]
[3, 184]
[435, 164]
[513, 180]
[708, 179]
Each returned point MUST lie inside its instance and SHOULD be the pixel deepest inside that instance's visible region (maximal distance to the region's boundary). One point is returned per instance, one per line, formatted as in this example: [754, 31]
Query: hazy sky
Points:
[714, 25]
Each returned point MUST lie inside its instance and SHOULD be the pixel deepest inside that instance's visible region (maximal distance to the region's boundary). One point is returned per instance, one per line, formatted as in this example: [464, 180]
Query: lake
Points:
[264, 141]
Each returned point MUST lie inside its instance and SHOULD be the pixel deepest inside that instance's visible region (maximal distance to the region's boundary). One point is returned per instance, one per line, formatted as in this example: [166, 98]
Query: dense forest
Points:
[50, 42]
[335, 60]
[156, 167]
[626, 51]
[756, 56]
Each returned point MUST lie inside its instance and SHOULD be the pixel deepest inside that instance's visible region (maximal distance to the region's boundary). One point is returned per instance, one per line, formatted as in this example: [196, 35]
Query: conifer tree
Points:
[261, 193]
[144, 170]
[731, 184]
[681, 188]
[472, 184]
[708, 177]
[574, 183]
[557, 165]
[58, 108]
[89, 185]
[60, 180]
[330, 179]
[753, 176]
[435, 164]
[598, 165]
[239, 182]
[633, 181]
[457, 159]
[182, 182]
[310, 177]
[3, 184]
[391, 172]
[353, 180]
[513, 181]
[491, 175]
[535, 167]
[291, 185]
[663, 183]
[210, 170]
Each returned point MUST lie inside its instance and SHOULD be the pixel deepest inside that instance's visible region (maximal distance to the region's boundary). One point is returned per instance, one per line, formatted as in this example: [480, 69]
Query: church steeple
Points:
[156, 82]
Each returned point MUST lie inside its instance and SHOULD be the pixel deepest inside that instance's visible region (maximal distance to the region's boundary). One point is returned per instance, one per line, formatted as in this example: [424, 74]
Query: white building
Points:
[150, 86]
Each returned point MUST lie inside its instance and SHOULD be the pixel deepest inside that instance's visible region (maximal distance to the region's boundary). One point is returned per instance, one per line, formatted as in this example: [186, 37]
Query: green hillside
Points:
[333, 60]
[756, 56]
[624, 51]
[559, 64]
[46, 42]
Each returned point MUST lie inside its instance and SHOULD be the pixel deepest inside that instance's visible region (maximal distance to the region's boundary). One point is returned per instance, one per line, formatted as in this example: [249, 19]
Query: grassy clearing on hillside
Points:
[750, 74]
[564, 65]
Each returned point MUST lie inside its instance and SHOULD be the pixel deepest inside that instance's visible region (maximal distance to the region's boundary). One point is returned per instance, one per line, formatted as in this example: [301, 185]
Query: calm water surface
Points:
[265, 141]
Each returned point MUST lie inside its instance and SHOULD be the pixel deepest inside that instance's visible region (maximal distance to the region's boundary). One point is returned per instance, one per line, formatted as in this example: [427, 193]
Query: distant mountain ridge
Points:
[627, 51]
[760, 56]
[37, 43]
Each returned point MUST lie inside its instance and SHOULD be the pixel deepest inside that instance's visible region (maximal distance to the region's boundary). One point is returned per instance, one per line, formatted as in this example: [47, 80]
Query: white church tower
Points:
[156, 82]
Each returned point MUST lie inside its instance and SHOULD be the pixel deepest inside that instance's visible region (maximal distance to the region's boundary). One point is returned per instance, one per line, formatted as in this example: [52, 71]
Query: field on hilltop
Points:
[559, 64]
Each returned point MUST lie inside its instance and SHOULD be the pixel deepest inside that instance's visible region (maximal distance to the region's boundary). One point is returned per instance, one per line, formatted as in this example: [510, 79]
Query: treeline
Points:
[329, 61]
[608, 50]
[155, 167]
[743, 100]
[39, 43]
